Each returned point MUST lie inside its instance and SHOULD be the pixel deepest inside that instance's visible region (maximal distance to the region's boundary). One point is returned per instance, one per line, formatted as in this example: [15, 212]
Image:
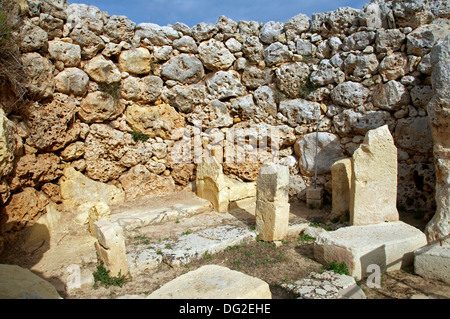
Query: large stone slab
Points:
[20, 283]
[341, 181]
[390, 245]
[433, 262]
[214, 282]
[373, 197]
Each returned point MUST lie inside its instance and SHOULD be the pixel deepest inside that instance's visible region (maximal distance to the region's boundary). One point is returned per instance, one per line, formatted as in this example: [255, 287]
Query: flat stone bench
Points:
[213, 282]
[389, 245]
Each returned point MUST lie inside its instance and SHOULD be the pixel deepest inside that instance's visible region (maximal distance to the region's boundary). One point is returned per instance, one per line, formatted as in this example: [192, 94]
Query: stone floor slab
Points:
[433, 262]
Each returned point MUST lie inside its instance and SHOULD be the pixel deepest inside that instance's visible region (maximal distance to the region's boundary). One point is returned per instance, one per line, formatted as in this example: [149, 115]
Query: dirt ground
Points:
[285, 262]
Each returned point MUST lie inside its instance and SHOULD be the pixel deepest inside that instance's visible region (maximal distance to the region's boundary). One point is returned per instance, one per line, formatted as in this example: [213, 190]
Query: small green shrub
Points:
[102, 276]
[306, 238]
[338, 268]
[111, 89]
[139, 136]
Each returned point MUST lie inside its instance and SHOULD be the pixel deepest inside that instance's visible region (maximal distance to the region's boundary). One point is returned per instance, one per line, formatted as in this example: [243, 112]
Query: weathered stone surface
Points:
[391, 39]
[358, 41]
[146, 89]
[97, 210]
[421, 95]
[329, 151]
[39, 71]
[68, 53]
[414, 134]
[378, 15]
[183, 68]
[135, 61]
[271, 31]
[214, 282]
[185, 44]
[297, 25]
[272, 206]
[139, 182]
[411, 13]
[8, 145]
[203, 31]
[73, 151]
[159, 120]
[327, 73]
[72, 81]
[23, 207]
[305, 48]
[89, 42]
[291, 78]
[388, 245]
[350, 94]
[341, 178]
[422, 39]
[20, 283]
[77, 189]
[119, 28]
[253, 49]
[391, 96]
[110, 247]
[33, 170]
[224, 85]
[32, 37]
[439, 227]
[155, 34]
[335, 22]
[215, 56]
[85, 15]
[276, 53]
[265, 99]
[51, 126]
[98, 107]
[361, 65]
[185, 97]
[299, 111]
[109, 152]
[393, 66]
[102, 70]
[433, 262]
[374, 179]
[350, 122]
[254, 77]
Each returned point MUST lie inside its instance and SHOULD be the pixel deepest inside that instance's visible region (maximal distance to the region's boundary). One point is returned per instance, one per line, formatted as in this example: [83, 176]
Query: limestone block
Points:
[111, 247]
[20, 283]
[77, 189]
[272, 202]
[215, 56]
[341, 179]
[183, 68]
[102, 70]
[68, 53]
[136, 61]
[433, 262]
[213, 282]
[72, 81]
[40, 72]
[374, 179]
[98, 210]
[389, 245]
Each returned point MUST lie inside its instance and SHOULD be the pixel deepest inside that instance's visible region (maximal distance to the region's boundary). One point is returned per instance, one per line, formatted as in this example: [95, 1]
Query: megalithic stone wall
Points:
[438, 229]
[117, 100]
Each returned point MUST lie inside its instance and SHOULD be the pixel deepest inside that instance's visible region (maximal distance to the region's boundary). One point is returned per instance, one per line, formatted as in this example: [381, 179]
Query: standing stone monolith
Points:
[341, 181]
[438, 229]
[373, 196]
[272, 202]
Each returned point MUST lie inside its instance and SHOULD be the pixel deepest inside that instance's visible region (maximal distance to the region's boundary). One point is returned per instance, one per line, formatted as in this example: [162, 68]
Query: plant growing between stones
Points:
[102, 276]
[139, 136]
[338, 268]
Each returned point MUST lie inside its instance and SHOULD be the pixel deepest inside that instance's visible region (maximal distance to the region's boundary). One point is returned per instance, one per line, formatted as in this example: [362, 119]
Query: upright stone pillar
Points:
[111, 247]
[341, 181]
[373, 197]
[438, 229]
[272, 202]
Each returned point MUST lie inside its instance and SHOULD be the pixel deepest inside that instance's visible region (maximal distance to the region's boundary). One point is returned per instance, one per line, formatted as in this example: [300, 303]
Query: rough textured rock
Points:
[68, 53]
[72, 81]
[183, 68]
[215, 56]
[414, 135]
[77, 189]
[136, 61]
[109, 152]
[276, 53]
[291, 78]
[102, 70]
[350, 122]
[329, 151]
[271, 31]
[374, 179]
[51, 126]
[21, 283]
[98, 107]
[145, 89]
[433, 262]
[159, 120]
[39, 71]
[299, 111]
[341, 178]
[391, 96]
[88, 40]
[393, 66]
[350, 94]
[214, 282]
[439, 227]
[422, 39]
[224, 85]
[119, 28]
[139, 182]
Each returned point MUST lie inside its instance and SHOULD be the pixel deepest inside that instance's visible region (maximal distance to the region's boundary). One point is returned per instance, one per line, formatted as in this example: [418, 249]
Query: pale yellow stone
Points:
[136, 61]
[213, 282]
[20, 283]
[99, 210]
[272, 220]
[341, 179]
[374, 179]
